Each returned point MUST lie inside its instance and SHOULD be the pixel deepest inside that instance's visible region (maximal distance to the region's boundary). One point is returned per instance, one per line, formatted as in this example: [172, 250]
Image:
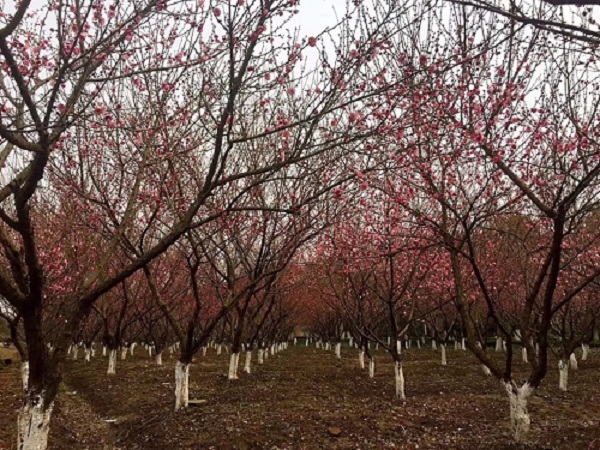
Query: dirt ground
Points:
[293, 400]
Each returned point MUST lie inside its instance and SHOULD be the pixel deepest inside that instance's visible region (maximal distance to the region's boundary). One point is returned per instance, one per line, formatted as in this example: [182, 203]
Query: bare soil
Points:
[304, 398]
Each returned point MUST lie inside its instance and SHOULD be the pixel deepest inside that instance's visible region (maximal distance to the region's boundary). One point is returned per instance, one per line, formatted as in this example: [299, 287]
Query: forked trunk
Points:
[182, 375]
[248, 361]
[34, 423]
[112, 362]
[399, 378]
[519, 418]
[563, 375]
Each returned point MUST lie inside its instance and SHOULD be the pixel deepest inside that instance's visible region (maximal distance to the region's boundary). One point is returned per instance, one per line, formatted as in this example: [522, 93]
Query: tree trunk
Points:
[585, 351]
[371, 367]
[573, 361]
[486, 370]
[103, 350]
[88, 354]
[519, 418]
[261, 359]
[232, 374]
[361, 359]
[399, 377]
[443, 348]
[123, 353]
[33, 424]
[75, 352]
[338, 350]
[563, 375]
[158, 358]
[204, 349]
[524, 353]
[112, 362]
[182, 375]
[433, 344]
[219, 349]
[498, 344]
[248, 361]
[25, 375]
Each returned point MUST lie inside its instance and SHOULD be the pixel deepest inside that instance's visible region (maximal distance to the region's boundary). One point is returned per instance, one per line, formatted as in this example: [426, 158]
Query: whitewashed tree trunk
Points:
[88, 354]
[219, 349]
[248, 361]
[93, 349]
[204, 349]
[350, 341]
[563, 375]
[573, 361]
[103, 350]
[231, 375]
[25, 375]
[399, 347]
[150, 351]
[443, 348]
[236, 365]
[182, 391]
[123, 353]
[585, 351]
[338, 350]
[361, 359]
[261, 358]
[464, 344]
[33, 425]
[266, 354]
[399, 378]
[75, 352]
[524, 354]
[433, 344]
[371, 367]
[498, 343]
[131, 348]
[112, 362]
[519, 418]
[486, 370]
[158, 359]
